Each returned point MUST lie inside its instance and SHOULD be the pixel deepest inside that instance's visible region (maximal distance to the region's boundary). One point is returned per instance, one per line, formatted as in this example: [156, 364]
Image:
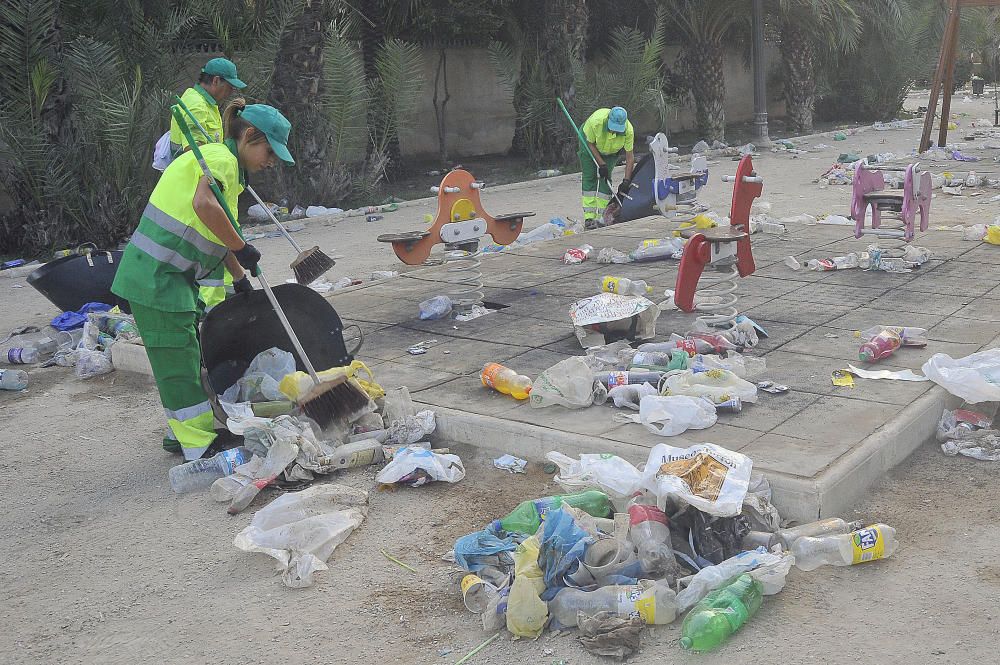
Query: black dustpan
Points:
[72, 281]
[242, 326]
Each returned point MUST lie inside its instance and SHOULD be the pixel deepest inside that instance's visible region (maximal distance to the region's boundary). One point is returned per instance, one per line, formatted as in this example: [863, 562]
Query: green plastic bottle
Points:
[721, 613]
[527, 517]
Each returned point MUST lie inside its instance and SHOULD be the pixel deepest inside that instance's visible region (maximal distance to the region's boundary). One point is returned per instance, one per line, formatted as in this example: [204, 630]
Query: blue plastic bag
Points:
[563, 546]
[470, 550]
[74, 320]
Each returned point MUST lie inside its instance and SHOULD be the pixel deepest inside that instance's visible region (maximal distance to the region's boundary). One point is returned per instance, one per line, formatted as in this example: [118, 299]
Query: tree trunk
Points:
[798, 62]
[708, 85]
[561, 27]
[297, 90]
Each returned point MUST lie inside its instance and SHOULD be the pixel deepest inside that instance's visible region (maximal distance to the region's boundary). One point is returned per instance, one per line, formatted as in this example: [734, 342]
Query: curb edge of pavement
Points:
[831, 493]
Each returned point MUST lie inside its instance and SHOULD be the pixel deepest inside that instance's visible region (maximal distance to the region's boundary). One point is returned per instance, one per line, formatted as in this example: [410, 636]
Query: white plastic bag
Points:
[630, 395]
[411, 429]
[568, 383]
[709, 477]
[974, 378]
[91, 363]
[416, 466]
[260, 382]
[712, 577]
[162, 153]
[718, 385]
[301, 529]
[616, 477]
[673, 415]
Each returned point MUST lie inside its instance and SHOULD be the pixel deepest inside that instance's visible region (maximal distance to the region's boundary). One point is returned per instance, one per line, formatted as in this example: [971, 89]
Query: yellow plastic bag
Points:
[993, 235]
[298, 384]
[701, 221]
[526, 612]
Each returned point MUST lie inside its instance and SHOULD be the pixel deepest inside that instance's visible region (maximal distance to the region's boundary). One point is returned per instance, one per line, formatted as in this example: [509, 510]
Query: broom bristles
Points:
[310, 265]
[340, 400]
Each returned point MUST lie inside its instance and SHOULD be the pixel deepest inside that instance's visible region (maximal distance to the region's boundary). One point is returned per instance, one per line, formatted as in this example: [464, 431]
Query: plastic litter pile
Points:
[690, 531]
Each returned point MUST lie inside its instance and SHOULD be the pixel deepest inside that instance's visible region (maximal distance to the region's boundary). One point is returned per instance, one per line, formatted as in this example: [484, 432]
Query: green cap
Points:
[224, 68]
[274, 126]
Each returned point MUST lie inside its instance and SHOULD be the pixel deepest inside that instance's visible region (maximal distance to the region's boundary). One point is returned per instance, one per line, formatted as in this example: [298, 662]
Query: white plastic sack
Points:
[974, 378]
[712, 577]
[429, 466]
[161, 153]
[630, 395]
[91, 363]
[568, 383]
[718, 385]
[411, 429]
[617, 478]
[260, 382]
[673, 415]
[709, 477]
[301, 529]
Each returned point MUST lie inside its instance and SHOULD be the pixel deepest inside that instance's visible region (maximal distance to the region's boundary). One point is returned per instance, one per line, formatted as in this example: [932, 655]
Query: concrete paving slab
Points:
[466, 393]
[727, 436]
[949, 285]
[968, 330]
[534, 362]
[595, 420]
[866, 317]
[837, 420]
[806, 313]
[792, 455]
[837, 294]
[779, 334]
[983, 309]
[462, 356]
[905, 300]
[983, 254]
[769, 411]
[391, 374]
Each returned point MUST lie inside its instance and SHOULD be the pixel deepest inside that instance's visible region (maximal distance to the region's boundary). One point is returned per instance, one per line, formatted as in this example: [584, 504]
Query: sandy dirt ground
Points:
[102, 563]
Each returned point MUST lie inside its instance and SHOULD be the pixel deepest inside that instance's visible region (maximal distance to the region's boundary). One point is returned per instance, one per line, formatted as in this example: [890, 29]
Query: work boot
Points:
[172, 446]
[224, 440]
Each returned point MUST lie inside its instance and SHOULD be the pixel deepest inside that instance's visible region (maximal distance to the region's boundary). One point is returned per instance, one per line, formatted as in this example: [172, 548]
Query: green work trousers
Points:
[171, 340]
[596, 192]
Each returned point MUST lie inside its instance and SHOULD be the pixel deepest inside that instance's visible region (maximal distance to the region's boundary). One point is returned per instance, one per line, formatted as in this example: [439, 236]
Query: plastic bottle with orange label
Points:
[505, 380]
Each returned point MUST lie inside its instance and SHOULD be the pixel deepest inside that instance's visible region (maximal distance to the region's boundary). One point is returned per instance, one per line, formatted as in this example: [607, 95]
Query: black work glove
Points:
[248, 257]
[243, 285]
[625, 187]
[602, 171]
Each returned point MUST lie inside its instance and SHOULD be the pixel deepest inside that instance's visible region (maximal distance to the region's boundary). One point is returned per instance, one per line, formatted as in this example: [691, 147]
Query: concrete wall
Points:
[479, 115]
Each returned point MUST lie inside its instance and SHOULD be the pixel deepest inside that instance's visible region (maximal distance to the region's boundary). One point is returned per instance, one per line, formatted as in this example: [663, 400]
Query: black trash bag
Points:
[715, 539]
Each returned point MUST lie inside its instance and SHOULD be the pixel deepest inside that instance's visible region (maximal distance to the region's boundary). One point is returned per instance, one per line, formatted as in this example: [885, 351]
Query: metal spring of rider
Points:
[717, 297]
[889, 238]
[464, 275]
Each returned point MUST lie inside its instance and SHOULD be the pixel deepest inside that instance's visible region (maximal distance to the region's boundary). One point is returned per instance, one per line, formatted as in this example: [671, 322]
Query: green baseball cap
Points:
[224, 68]
[274, 126]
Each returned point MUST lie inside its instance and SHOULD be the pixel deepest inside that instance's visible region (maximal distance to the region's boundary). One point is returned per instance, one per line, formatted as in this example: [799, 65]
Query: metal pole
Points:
[759, 77]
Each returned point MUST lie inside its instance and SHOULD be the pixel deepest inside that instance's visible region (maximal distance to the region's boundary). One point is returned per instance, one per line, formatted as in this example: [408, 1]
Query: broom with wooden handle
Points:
[310, 264]
[327, 402]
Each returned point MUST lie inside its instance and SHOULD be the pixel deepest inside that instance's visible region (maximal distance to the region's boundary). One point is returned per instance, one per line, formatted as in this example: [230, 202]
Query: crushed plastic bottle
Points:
[625, 286]
[505, 380]
[548, 173]
[874, 542]
[435, 308]
[13, 379]
[658, 249]
[650, 533]
[653, 602]
[200, 474]
[627, 377]
[880, 346]
[722, 613]
[831, 526]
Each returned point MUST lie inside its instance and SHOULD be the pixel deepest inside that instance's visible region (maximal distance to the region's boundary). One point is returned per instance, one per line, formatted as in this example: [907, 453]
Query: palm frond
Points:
[396, 90]
[345, 99]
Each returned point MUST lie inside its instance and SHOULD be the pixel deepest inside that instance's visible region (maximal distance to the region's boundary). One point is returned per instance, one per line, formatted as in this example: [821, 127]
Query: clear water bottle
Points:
[13, 379]
[625, 286]
[200, 474]
[877, 541]
[25, 354]
[624, 378]
[654, 602]
[831, 526]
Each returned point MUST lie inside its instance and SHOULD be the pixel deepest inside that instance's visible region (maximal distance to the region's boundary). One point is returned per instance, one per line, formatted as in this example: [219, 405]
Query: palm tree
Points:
[705, 26]
[806, 27]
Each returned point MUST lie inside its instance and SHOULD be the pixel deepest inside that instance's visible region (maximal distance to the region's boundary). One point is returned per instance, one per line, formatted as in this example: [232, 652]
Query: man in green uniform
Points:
[608, 132]
[217, 83]
[184, 235]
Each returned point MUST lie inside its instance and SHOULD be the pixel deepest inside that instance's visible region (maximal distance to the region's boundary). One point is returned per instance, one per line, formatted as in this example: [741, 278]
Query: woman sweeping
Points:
[184, 235]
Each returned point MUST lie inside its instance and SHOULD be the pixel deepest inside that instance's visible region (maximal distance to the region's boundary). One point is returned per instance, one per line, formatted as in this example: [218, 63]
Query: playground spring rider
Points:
[671, 192]
[900, 206]
[727, 250]
[460, 223]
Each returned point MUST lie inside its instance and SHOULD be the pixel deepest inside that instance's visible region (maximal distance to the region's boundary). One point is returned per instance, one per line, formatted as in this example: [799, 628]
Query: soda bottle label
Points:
[14, 356]
[634, 602]
[489, 374]
[617, 379]
[610, 284]
[233, 458]
[651, 243]
[868, 544]
[689, 346]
